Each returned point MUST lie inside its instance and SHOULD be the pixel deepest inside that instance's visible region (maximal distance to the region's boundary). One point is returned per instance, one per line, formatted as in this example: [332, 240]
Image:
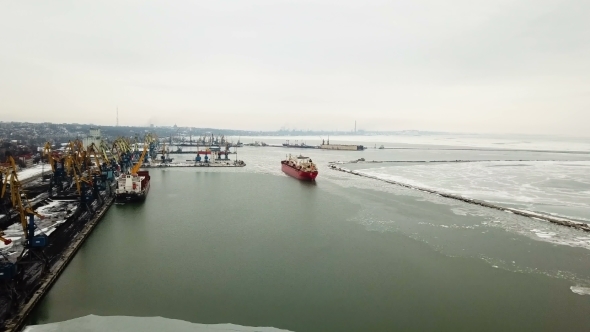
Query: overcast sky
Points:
[457, 65]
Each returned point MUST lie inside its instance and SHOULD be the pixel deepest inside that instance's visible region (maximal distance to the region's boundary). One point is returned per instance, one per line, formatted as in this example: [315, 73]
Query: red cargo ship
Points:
[301, 168]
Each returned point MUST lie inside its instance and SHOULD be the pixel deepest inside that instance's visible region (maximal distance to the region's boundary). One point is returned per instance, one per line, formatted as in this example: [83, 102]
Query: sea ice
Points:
[94, 323]
[580, 290]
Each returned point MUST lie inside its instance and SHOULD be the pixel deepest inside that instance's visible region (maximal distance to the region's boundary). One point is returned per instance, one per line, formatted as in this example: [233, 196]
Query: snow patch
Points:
[32, 172]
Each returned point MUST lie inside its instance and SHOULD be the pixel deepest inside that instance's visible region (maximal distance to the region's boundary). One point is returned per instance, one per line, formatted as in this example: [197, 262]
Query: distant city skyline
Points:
[82, 130]
[456, 66]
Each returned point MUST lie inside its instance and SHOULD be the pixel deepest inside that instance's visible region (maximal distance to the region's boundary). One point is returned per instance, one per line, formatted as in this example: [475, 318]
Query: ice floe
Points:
[92, 323]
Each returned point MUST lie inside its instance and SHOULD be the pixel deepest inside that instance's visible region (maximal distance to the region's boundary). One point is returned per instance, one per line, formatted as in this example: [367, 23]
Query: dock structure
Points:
[32, 263]
[555, 220]
[345, 147]
[16, 322]
[31, 174]
[191, 163]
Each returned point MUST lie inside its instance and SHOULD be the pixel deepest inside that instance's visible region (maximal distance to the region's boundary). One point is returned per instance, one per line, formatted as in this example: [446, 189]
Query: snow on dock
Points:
[16, 322]
[55, 213]
[29, 174]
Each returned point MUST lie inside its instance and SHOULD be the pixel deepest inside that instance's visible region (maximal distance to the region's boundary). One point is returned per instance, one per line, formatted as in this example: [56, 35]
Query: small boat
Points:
[301, 168]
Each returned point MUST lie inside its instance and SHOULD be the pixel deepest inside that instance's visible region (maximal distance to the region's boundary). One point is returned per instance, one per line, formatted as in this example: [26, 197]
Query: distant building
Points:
[93, 137]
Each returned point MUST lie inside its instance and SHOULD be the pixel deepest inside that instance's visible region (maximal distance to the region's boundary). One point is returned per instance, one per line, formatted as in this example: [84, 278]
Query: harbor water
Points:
[253, 247]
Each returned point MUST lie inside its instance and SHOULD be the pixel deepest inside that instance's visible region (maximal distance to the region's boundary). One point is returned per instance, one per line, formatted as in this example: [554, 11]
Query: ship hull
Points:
[135, 195]
[300, 175]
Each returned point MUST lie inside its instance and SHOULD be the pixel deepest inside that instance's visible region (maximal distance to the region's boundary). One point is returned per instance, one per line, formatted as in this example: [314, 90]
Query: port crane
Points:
[4, 172]
[139, 162]
[74, 158]
[58, 168]
[89, 181]
[165, 154]
[21, 204]
[102, 175]
[76, 165]
[34, 243]
[152, 141]
[122, 149]
[103, 148]
[72, 168]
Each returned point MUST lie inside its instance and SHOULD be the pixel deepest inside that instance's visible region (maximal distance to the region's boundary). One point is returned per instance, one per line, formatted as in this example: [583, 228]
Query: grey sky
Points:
[456, 65]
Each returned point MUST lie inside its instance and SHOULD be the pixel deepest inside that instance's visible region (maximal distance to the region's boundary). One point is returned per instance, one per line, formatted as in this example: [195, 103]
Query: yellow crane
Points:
[120, 146]
[4, 173]
[78, 154]
[139, 161]
[77, 174]
[93, 151]
[103, 148]
[150, 138]
[75, 163]
[18, 199]
[51, 158]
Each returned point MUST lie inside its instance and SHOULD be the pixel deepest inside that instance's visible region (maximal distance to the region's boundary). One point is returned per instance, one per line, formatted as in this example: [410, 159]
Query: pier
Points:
[239, 163]
[66, 209]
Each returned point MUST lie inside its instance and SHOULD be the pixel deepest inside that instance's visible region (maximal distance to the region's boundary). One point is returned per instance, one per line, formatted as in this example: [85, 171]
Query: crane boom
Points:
[19, 203]
[50, 159]
[140, 161]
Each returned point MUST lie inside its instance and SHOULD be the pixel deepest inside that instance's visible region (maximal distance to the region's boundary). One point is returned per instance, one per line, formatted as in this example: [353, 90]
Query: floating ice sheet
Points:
[555, 188]
[94, 323]
[580, 290]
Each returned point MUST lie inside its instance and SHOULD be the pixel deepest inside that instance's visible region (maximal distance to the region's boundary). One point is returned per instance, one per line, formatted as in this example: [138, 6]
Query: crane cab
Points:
[7, 271]
[38, 241]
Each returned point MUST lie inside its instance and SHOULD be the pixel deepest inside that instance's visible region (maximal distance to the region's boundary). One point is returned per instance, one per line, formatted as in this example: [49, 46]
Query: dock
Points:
[66, 238]
[344, 147]
[196, 164]
[16, 323]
